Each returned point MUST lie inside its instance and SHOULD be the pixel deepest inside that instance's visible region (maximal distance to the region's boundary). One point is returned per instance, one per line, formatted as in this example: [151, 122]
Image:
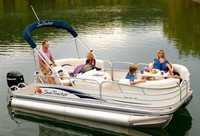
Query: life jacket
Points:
[91, 61]
[161, 66]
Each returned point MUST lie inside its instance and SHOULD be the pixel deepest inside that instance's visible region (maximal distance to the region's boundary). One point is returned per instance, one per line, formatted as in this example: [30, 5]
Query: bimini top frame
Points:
[51, 23]
[46, 23]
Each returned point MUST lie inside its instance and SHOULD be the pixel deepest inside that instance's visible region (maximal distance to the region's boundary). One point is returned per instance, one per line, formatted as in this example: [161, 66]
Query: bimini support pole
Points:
[77, 51]
[34, 59]
[80, 40]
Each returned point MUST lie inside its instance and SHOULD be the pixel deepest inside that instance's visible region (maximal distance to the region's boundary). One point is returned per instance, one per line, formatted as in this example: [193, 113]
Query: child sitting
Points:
[130, 75]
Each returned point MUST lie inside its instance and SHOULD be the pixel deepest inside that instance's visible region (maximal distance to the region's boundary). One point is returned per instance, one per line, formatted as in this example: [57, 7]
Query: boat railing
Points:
[101, 87]
[183, 86]
[107, 66]
[39, 76]
[123, 66]
[145, 93]
[119, 86]
[141, 66]
[134, 86]
[143, 90]
[119, 66]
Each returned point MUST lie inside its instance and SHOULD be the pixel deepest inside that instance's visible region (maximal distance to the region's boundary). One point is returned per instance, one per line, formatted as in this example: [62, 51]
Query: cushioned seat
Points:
[63, 76]
[164, 83]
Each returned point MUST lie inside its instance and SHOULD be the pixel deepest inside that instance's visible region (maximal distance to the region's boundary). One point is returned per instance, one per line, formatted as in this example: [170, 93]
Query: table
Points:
[158, 74]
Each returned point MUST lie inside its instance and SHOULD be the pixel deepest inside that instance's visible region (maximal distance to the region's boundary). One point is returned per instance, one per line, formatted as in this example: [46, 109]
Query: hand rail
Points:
[118, 62]
[144, 90]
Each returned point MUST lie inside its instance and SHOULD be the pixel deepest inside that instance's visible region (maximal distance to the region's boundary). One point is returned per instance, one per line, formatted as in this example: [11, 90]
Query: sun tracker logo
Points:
[44, 23]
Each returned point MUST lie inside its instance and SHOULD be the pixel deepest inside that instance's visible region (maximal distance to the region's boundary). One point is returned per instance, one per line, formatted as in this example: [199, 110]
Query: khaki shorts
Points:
[45, 72]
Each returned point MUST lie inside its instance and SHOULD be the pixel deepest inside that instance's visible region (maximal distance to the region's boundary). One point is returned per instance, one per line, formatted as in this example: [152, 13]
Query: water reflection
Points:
[63, 126]
[180, 125]
[182, 121]
[117, 18]
[183, 26]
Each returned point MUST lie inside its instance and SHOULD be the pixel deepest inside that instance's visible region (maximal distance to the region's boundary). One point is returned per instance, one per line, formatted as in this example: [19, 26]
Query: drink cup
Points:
[142, 72]
[145, 69]
[162, 72]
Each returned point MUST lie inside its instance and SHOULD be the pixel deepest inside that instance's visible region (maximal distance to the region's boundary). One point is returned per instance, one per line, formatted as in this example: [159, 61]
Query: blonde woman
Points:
[90, 59]
[161, 63]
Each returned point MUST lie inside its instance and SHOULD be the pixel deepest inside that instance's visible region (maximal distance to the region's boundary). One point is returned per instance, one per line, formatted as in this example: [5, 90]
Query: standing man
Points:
[47, 56]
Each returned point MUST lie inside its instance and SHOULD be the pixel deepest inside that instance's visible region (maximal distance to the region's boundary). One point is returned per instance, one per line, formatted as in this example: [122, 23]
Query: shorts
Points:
[45, 72]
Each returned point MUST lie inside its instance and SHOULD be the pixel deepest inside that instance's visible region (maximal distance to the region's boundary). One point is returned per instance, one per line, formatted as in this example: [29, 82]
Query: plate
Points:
[154, 71]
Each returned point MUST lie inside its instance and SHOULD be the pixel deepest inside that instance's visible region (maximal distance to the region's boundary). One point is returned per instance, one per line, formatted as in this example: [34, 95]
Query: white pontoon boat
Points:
[102, 96]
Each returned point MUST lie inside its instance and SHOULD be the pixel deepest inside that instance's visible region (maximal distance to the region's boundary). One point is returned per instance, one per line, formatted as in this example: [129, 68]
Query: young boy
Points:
[130, 75]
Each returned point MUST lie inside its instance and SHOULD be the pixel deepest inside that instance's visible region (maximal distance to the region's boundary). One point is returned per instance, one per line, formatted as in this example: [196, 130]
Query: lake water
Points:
[130, 30]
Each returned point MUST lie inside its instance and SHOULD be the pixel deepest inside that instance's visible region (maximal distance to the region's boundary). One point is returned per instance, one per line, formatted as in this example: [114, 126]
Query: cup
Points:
[162, 72]
[145, 69]
[141, 72]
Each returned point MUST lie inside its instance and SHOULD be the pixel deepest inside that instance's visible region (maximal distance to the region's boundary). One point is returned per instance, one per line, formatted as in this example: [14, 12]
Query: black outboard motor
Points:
[15, 79]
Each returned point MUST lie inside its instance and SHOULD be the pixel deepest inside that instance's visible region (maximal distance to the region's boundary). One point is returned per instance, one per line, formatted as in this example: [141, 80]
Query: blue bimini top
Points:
[46, 23]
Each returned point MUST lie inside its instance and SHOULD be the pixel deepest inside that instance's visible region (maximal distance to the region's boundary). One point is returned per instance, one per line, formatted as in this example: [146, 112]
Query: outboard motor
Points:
[15, 80]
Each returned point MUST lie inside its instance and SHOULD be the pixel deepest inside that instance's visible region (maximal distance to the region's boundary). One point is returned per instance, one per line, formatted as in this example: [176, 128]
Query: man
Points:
[46, 55]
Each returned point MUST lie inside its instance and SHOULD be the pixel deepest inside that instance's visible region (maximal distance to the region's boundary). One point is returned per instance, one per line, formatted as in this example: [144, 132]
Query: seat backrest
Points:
[63, 74]
[100, 64]
[61, 71]
[182, 70]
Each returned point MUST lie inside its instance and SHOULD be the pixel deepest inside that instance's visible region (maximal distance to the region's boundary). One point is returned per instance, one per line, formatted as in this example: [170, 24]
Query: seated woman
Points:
[90, 60]
[90, 64]
[130, 75]
[161, 63]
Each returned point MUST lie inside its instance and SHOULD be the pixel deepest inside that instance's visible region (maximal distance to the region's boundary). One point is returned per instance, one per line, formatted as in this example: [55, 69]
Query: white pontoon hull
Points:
[91, 113]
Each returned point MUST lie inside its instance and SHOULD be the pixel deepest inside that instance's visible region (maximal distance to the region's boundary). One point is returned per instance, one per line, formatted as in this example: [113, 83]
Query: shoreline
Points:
[197, 1]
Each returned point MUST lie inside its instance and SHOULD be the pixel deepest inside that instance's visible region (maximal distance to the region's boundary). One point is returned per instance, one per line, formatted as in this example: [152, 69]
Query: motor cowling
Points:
[14, 78]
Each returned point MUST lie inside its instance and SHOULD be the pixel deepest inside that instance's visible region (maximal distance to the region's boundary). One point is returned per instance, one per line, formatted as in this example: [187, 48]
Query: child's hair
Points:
[133, 68]
[90, 55]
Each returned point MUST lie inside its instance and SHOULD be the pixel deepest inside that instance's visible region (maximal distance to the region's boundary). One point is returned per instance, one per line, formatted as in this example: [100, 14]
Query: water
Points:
[128, 30]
